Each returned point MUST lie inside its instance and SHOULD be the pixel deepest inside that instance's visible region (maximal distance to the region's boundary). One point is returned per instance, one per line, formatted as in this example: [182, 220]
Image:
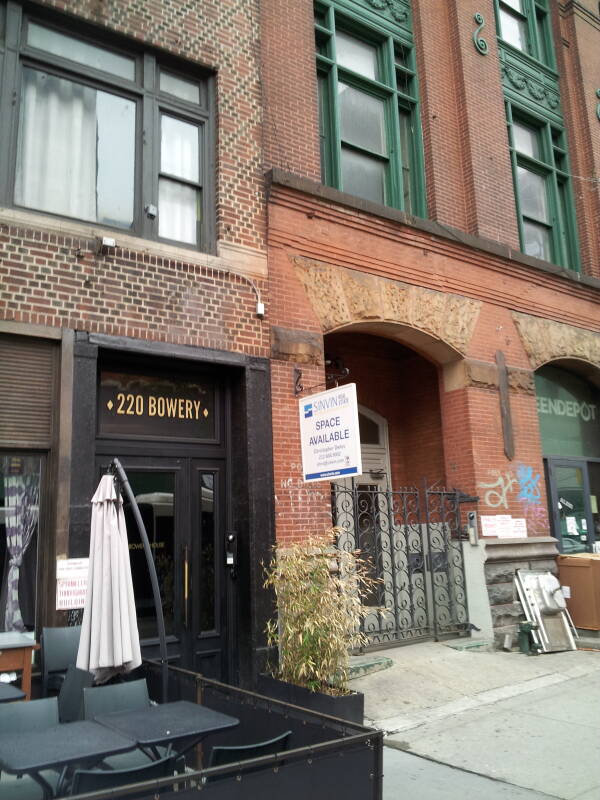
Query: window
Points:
[543, 192]
[369, 128]
[105, 135]
[524, 24]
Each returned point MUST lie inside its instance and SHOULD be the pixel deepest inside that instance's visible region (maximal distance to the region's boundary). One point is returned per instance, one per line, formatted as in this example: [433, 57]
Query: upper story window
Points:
[369, 126]
[543, 191]
[524, 24]
[110, 136]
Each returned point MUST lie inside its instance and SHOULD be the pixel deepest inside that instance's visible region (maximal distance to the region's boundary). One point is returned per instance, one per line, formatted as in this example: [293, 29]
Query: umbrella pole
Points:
[116, 464]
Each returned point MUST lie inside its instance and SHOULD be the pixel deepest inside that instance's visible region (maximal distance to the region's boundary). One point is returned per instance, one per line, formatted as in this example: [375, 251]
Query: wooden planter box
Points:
[349, 707]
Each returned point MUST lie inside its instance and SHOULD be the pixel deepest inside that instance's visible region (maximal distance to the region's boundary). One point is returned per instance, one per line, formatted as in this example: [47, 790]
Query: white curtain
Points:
[56, 159]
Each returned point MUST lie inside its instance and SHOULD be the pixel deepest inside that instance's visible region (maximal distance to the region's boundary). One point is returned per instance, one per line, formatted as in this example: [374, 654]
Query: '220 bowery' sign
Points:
[329, 434]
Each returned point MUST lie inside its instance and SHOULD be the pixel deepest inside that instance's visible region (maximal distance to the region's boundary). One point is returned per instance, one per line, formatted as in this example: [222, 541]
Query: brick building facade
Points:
[173, 168]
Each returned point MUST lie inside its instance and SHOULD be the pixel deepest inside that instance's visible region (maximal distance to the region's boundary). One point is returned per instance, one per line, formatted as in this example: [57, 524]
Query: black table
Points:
[83, 743]
[168, 723]
[8, 693]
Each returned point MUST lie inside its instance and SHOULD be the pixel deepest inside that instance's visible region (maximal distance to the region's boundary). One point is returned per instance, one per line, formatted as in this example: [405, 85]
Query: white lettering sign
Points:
[71, 583]
[588, 412]
[329, 434]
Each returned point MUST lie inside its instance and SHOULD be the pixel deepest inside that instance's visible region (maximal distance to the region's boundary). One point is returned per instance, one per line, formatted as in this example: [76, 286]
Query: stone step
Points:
[366, 664]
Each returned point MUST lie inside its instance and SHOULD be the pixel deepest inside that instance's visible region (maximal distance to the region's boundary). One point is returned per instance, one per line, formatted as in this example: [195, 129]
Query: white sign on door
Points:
[330, 435]
[71, 583]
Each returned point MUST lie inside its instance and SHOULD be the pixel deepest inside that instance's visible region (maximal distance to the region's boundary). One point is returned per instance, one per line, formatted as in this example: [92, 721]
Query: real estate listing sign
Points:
[330, 435]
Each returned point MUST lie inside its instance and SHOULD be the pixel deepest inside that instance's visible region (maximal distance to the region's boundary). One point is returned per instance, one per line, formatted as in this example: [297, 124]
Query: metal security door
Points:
[412, 542]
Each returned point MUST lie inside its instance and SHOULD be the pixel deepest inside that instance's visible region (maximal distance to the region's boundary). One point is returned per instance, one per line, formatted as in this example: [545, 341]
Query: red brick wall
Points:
[577, 44]
[403, 387]
[291, 122]
[469, 179]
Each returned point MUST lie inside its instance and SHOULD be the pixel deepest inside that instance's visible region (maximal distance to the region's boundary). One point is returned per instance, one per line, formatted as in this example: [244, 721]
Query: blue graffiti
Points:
[529, 489]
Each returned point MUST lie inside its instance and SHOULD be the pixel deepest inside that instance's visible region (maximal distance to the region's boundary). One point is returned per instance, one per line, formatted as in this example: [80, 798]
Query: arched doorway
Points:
[569, 416]
[407, 528]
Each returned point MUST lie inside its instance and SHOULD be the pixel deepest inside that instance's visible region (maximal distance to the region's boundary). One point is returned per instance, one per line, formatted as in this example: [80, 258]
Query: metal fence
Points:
[411, 540]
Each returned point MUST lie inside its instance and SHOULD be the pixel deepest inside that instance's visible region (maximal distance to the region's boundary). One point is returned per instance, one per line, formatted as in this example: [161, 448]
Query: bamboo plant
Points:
[319, 590]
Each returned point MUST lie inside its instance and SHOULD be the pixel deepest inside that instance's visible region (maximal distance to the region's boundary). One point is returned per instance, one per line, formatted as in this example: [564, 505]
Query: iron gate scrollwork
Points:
[412, 542]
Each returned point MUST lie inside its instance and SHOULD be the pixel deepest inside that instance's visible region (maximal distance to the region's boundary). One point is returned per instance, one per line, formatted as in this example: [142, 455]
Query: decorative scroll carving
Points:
[530, 86]
[546, 341]
[480, 43]
[342, 297]
[396, 9]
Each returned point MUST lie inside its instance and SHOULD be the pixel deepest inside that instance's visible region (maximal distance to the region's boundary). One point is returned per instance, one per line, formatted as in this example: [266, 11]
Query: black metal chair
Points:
[22, 718]
[221, 755]
[59, 650]
[95, 780]
[70, 697]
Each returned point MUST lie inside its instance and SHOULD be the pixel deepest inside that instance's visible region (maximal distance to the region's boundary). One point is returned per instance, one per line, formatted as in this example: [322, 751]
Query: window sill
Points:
[234, 257]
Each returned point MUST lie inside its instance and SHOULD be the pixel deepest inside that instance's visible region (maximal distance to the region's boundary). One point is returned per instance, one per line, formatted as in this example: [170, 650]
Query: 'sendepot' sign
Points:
[329, 434]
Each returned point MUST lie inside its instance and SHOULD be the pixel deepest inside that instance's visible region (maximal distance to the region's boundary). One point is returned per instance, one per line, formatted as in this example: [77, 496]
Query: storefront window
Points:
[20, 478]
[569, 414]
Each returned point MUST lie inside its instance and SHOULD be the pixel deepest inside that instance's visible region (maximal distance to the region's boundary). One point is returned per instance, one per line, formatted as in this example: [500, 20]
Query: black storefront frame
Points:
[250, 488]
[550, 464]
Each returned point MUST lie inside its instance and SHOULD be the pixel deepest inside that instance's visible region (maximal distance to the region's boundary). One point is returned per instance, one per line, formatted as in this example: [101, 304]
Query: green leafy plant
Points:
[319, 590]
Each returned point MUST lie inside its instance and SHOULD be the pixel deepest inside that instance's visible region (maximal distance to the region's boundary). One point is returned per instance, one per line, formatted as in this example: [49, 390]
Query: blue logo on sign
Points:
[308, 411]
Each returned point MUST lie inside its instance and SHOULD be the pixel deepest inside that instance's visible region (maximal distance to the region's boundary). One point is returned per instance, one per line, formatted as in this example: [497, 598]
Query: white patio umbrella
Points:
[110, 642]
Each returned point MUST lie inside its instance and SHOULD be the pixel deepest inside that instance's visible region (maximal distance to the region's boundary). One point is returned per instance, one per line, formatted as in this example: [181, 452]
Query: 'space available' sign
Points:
[329, 434]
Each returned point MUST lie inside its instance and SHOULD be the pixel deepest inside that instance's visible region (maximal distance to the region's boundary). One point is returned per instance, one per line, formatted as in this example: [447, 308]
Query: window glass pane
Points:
[526, 140]
[19, 521]
[362, 119]
[59, 44]
[207, 595]
[532, 194]
[185, 90]
[356, 55]
[536, 241]
[513, 30]
[406, 154]
[75, 153]
[369, 430]
[516, 4]
[363, 176]
[179, 149]
[178, 211]
[403, 81]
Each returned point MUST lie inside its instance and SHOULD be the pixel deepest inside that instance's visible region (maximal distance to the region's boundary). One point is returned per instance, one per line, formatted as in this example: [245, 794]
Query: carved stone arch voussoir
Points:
[545, 341]
[342, 297]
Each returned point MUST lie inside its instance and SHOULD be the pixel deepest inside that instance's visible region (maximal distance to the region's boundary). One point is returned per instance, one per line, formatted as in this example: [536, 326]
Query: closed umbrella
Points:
[109, 642]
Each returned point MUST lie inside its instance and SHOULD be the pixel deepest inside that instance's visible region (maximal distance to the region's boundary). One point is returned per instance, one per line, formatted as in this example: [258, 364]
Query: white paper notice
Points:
[572, 526]
[503, 526]
[71, 583]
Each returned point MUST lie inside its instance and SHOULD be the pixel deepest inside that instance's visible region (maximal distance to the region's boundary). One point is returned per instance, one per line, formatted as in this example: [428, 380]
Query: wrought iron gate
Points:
[412, 542]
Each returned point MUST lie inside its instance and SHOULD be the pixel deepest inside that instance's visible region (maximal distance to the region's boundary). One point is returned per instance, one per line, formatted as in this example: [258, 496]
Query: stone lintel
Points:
[301, 347]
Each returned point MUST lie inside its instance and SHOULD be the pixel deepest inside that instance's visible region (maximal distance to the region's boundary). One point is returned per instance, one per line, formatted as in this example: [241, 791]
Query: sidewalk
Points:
[525, 721]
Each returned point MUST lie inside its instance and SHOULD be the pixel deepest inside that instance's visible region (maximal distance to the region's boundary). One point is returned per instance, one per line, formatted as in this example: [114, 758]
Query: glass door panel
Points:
[570, 483]
[155, 494]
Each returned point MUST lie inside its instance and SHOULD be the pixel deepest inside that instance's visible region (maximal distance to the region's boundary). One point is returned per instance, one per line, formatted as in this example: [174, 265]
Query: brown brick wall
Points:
[59, 281]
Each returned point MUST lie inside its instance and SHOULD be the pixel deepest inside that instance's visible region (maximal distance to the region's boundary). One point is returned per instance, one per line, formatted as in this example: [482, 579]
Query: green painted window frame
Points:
[396, 86]
[553, 166]
[535, 16]
[151, 105]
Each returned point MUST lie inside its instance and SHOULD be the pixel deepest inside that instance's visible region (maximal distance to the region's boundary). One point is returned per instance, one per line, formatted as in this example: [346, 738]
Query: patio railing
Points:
[326, 757]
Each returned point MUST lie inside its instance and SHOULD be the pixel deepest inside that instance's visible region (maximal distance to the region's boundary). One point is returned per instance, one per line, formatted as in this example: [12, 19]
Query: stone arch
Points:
[548, 342]
[438, 325]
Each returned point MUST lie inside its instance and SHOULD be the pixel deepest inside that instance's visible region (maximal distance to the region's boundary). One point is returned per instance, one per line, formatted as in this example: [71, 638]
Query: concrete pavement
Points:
[489, 722]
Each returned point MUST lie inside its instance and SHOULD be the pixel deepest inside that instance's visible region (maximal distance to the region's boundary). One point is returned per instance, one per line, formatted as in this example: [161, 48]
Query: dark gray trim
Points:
[289, 180]
[150, 348]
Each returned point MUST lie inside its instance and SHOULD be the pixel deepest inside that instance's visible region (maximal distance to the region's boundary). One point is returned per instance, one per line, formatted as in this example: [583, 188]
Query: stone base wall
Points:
[503, 558]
